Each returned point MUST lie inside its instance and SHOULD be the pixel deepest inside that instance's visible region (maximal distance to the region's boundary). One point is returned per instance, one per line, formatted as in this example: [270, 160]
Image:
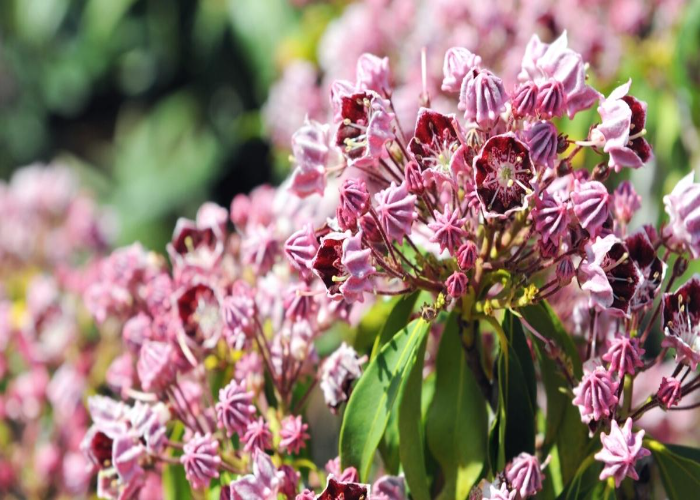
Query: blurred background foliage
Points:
[157, 102]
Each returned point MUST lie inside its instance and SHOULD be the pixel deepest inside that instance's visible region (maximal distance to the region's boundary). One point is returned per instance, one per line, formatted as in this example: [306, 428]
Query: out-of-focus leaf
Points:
[679, 473]
[400, 313]
[375, 395]
[456, 426]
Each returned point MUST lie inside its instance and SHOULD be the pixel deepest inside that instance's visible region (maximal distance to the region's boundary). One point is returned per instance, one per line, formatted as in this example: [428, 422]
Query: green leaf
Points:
[175, 484]
[680, 474]
[585, 482]
[398, 318]
[374, 397]
[457, 419]
[411, 435]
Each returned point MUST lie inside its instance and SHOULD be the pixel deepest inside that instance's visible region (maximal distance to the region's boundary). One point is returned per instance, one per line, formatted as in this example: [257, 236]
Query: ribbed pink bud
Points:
[238, 311]
[669, 392]
[155, 366]
[621, 450]
[482, 98]
[524, 475]
[466, 255]
[595, 395]
[448, 229]
[591, 202]
[414, 179]
[624, 355]
[458, 62]
[626, 202]
[354, 197]
[338, 373]
[524, 100]
[201, 460]
[396, 210]
[373, 73]
[551, 218]
[551, 100]
[356, 259]
[543, 141]
[257, 435]
[565, 271]
[235, 410]
[301, 248]
[293, 434]
[456, 284]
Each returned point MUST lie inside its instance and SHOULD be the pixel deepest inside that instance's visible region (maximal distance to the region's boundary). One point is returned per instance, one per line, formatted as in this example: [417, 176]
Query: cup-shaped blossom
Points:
[524, 100]
[257, 435]
[155, 366]
[457, 63]
[551, 99]
[300, 249]
[336, 489]
[669, 393]
[365, 127]
[201, 460]
[542, 139]
[195, 246]
[234, 410]
[524, 475]
[626, 202]
[503, 173]
[347, 475]
[338, 373]
[396, 210]
[681, 322]
[551, 217]
[683, 209]
[456, 284]
[373, 73]
[621, 450]
[591, 203]
[624, 355]
[595, 395]
[199, 311]
[448, 229]
[264, 483]
[435, 143]
[467, 254]
[293, 434]
[482, 97]
[651, 267]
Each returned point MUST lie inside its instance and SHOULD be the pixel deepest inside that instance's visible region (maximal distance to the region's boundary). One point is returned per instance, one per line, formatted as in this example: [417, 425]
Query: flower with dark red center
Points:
[435, 142]
[413, 178]
[610, 275]
[348, 474]
[595, 395]
[293, 435]
[336, 490]
[503, 173]
[201, 460]
[482, 97]
[198, 307]
[621, 450]
[591, 202]
[327, 262]
[624, 355]
[456, 284]
[396, 211]
[683, 208]
[365, 127]
[235, 410]
[300, 249]
[448, 229]
[257, 435]
[97, 447]
[466, 255]
[551, 100]
[155, 366]
[524, 475]
[652, 268]
[542, 139]
[524, 100]
[193, 246]
[551, 218]
[681, 321]
[457, 63]
[669, 393]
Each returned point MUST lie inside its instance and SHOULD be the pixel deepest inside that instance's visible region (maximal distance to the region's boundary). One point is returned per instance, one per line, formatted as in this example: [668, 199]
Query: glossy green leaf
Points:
[375, 395]
[397, 319]
[680, 474]
[457, 419]
[410, 424]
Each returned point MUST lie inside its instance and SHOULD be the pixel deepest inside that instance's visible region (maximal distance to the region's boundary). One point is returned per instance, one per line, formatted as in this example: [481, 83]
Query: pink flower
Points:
[448, 229]
[669, 392]
[354, 198]
[136, 330]
[234, 410]
[373, 73]
[551, 100]
[365, 128]
[435, 143]
[458, 62]
[148, 423]
[413, 178]
[524, 475]
[259, 248]
[624, 355]
[542, 141]
[551, 218]
[293, 434]
[683, 209]
[126, 453]
[199, 311]
[389, 488]
[356, 259]
[311, 150]
[456, 284]
[194, 246]
[524, 100]
[591, 202]
[336, 489]
[155, 366]
[595, 395]
[626, 202]
[503, 173]
[482, 98]
[120, 374]
[621, 450]
[467, 255]
[338, 373]
[201, 460]
[348, 475]
[681, 322]
[652, 269]
[263, 484]
[396, 211]
[565, 271]
[238, 313]
[257, 435]
[301, 248]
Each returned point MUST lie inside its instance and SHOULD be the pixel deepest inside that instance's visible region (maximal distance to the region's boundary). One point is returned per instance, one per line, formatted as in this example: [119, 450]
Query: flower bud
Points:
[456, 284]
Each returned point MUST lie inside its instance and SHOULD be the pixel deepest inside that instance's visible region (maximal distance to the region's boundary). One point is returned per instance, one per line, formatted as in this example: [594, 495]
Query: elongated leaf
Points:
[411, 435]
[398, 318]
[680, 474]
[175, 484]
[374, 397]
[457, 419]
[585, 481]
